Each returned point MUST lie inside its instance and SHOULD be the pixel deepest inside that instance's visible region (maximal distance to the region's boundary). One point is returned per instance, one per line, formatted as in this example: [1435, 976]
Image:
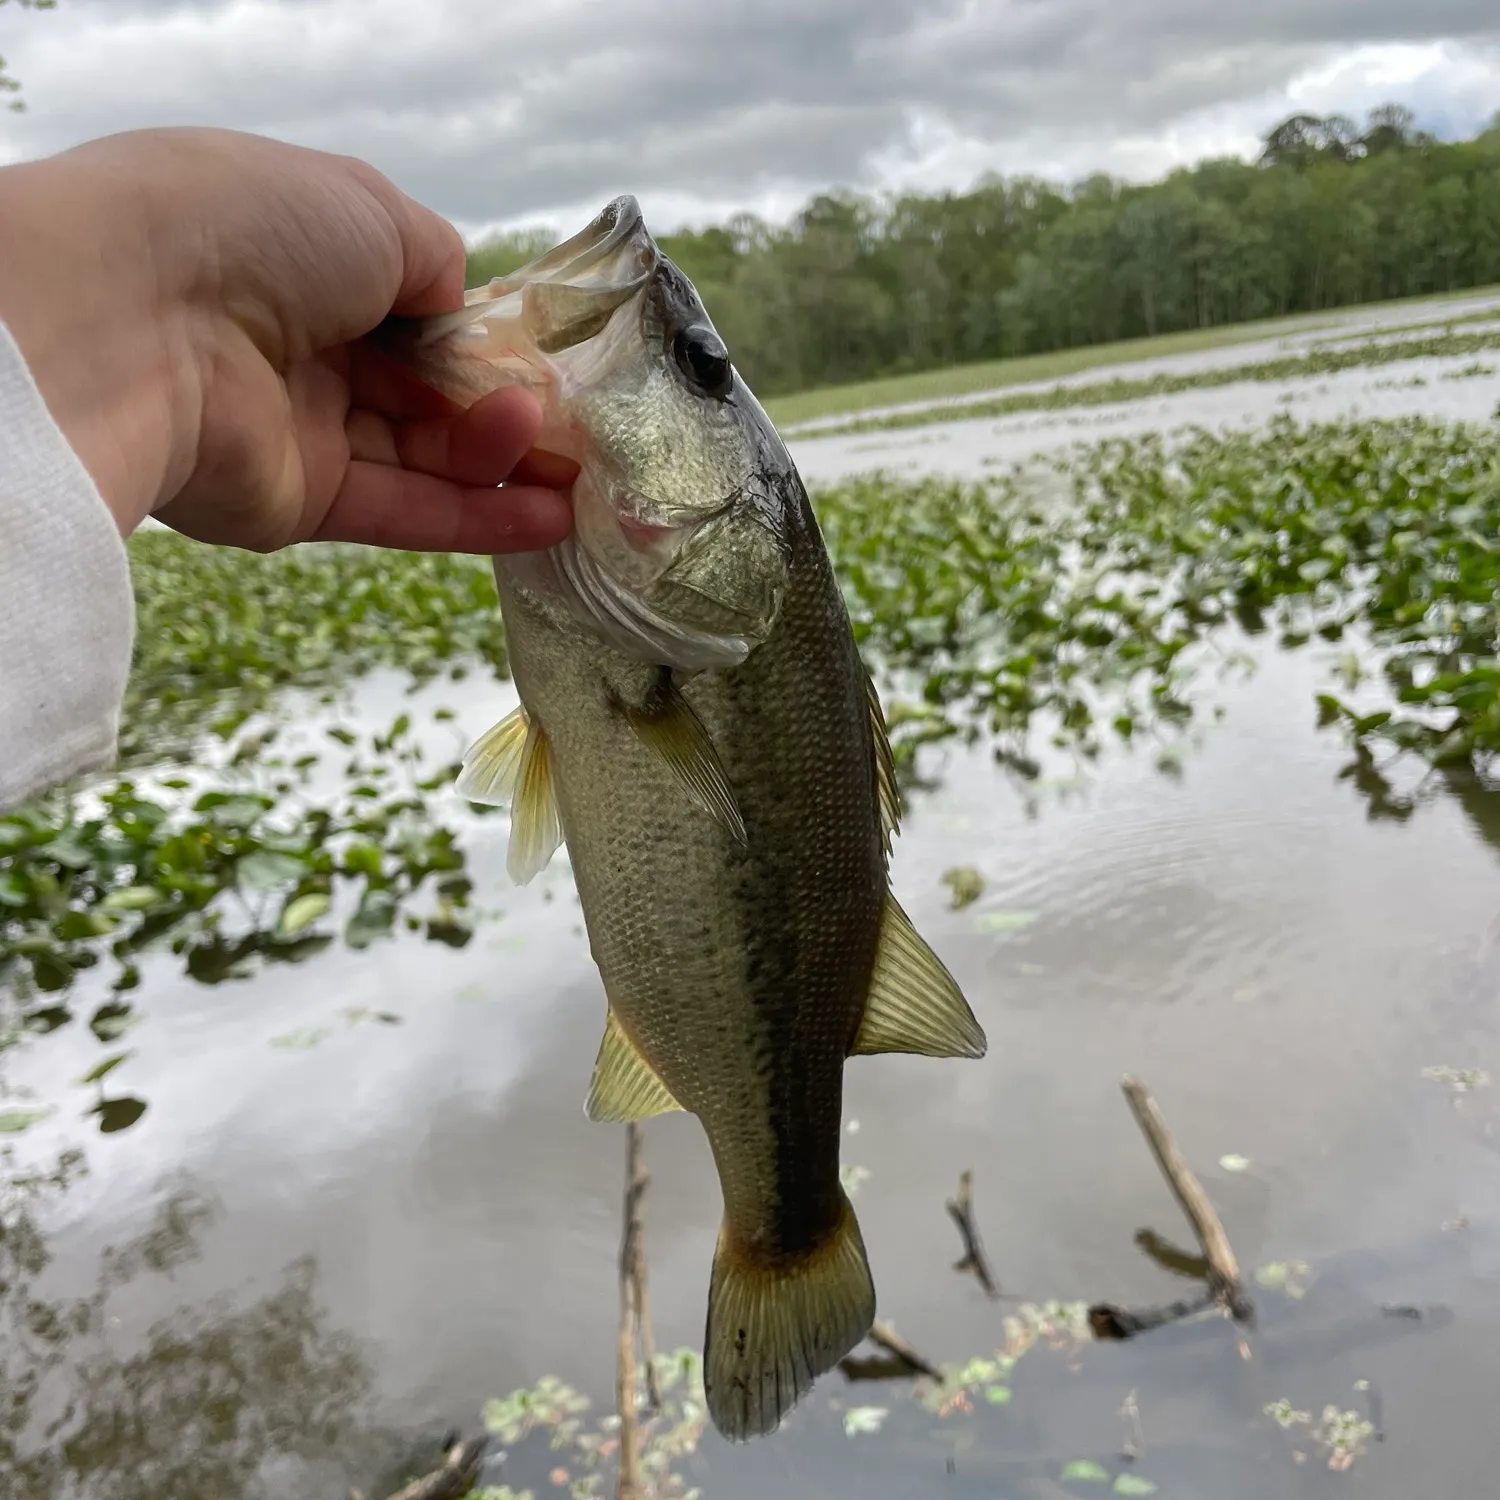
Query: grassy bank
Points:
[992, 375]
[1316, 361]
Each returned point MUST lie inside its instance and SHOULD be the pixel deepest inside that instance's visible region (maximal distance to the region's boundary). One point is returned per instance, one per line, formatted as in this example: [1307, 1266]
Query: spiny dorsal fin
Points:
[914, 1005]
[885, 767]
[667, 725]
[513, 763]
[625, 1086]
[492, 763]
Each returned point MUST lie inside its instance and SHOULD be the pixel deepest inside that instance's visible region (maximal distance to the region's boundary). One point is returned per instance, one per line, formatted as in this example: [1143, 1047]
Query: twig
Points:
[1109, 1322]
[628, 1484]
[875, 1367]
[1223, 1268]
[1135, 1436]
[453, 1478]
[639, 1179]
[886, 1337]
[961, 1209]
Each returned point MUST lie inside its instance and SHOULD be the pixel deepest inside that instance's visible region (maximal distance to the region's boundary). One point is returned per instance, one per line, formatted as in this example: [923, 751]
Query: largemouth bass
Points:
[696, 723]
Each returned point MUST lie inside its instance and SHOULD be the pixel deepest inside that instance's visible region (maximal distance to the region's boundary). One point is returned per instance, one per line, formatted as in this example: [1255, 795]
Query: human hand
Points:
[193, 305]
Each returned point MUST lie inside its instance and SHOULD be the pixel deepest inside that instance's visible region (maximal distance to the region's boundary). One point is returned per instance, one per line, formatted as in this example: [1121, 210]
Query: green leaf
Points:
[118, 1114]
[132, 898]
[1133, 1484]
[997, 1395]
[1084, 1471]
[302, 912]
[299, 1041]
[14, 1121]
[1005, 921]
[966, 884]
[266, 870]
[374, 918]
[862, 1419]
[107, 1066]
[112, 1021]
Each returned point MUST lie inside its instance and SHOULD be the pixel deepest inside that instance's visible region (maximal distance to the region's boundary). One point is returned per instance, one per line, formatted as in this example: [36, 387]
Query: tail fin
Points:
[772, 1330]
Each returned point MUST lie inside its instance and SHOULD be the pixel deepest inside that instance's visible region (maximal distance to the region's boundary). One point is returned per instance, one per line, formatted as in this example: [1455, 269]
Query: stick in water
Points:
[961, 1210]
[628, 1485]
[1223, 1268]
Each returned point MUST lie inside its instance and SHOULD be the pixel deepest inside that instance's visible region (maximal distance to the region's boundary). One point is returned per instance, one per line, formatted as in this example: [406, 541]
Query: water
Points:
[361, 1240]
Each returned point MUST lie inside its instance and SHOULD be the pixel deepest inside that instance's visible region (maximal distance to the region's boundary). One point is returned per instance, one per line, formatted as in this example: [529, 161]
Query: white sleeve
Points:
[67, 616]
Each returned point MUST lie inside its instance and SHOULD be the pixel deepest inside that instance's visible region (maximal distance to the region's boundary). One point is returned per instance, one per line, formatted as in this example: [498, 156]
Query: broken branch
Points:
[886, 1337]
[628, 1485]
[454, 1477]
[1223, 1268]
[961, 1210]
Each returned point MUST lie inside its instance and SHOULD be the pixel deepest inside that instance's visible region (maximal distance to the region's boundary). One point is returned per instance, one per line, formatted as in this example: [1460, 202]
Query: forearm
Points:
[66, 612]
[78, 293]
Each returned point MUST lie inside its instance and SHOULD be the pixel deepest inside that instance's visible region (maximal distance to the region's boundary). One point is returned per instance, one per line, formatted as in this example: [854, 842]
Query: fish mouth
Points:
[616, 247]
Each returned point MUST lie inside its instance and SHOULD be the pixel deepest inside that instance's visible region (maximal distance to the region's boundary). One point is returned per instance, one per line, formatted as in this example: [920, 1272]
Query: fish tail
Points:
[774, 1328]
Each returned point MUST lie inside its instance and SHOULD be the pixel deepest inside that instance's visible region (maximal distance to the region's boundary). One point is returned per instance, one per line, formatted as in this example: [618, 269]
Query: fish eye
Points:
[703, 359]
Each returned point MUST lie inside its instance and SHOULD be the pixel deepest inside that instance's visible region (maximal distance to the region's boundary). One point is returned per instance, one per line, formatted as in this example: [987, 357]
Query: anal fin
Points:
[625, 1086]
[915, 1005]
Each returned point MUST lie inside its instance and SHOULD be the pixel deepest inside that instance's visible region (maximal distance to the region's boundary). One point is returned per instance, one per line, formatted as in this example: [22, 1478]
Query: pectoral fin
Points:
[513, 763]
[668, 726]
[914, 1005]
[625, 1086]
[493, 762]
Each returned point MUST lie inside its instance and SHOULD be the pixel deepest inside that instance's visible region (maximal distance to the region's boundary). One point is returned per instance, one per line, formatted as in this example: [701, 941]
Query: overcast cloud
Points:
[502, 111]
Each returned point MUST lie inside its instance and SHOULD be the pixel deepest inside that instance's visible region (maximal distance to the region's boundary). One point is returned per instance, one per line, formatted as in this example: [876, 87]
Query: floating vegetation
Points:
[1089, 601]
[226, 880]
[1338, 1436]
[219, 632]
[992, 607]
[579, 1454]
[1459, 1080]
[965, 885]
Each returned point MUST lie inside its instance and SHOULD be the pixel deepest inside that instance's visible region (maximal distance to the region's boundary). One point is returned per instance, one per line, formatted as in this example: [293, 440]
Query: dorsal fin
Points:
[513, 763]
[914, 1005]
[888, 792]
[625, 1086]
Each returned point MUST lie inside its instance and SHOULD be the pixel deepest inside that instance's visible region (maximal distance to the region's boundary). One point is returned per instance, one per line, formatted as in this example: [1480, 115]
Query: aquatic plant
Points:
[1089, 600]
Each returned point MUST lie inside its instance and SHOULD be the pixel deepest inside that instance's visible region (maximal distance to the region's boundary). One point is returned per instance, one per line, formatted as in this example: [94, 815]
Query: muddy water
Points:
[363, 1228]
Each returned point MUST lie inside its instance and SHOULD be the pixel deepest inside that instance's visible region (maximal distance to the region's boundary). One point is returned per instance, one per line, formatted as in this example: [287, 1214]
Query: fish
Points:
[697, 726]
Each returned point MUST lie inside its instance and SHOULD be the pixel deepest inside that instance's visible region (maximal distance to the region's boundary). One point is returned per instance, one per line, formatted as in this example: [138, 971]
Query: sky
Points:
[506, 113]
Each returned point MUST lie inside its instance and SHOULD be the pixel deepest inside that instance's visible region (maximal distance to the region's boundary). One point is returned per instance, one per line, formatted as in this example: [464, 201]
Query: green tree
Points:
[857, 287]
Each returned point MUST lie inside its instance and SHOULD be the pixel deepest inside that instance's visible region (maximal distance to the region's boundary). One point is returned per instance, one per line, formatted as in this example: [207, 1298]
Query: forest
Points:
[855, 287]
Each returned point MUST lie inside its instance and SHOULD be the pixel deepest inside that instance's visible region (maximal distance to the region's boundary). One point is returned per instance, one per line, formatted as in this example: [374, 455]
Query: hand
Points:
[193, 305]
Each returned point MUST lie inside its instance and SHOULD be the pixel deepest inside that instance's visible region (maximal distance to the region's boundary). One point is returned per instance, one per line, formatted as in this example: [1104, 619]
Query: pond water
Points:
[365, 1199]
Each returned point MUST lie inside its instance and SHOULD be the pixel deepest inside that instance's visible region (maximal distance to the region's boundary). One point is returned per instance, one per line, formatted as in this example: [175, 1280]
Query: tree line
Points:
[857, 287]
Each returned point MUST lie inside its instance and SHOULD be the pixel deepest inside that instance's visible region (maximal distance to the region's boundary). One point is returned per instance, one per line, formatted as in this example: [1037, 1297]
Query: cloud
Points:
[541, 111]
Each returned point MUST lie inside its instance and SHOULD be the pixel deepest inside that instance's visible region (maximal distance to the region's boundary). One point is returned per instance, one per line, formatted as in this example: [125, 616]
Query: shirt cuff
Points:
[67, 617]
